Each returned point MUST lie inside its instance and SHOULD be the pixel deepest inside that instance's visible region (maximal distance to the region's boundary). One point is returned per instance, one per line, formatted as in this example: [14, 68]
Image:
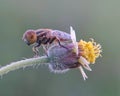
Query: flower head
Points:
[75, 55]
[89, 50]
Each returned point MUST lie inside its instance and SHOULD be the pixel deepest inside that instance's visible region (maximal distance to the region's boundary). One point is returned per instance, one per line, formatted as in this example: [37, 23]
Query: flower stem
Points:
[23, 63]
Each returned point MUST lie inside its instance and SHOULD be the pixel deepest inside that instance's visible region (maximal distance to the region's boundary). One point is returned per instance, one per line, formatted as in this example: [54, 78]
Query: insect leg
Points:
[35, 50]
[45, 47]
[61, 44]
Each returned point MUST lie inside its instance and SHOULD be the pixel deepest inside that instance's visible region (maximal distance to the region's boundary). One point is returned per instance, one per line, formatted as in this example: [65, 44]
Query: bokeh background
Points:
[98, 19]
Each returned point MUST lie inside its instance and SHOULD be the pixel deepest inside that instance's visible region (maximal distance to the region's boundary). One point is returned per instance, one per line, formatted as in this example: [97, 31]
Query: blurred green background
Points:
[98, 19]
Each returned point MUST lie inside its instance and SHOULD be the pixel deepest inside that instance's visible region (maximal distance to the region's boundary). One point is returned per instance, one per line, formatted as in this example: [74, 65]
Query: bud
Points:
[62, 59]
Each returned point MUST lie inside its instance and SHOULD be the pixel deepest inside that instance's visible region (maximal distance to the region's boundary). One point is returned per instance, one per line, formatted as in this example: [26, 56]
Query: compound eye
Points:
[32, 38]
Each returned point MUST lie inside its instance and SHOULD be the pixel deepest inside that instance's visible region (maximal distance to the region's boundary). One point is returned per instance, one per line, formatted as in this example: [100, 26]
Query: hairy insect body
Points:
[45, 37]
[48, 36]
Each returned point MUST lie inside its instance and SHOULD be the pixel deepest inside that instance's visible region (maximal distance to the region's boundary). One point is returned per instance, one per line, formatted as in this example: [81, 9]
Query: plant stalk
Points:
[23, 63]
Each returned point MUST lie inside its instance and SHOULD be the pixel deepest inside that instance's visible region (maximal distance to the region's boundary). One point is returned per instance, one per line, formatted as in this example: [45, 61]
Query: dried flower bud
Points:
[62, 59]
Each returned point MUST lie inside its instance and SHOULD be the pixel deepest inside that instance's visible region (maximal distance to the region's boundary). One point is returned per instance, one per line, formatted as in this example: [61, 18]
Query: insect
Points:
[45, 37]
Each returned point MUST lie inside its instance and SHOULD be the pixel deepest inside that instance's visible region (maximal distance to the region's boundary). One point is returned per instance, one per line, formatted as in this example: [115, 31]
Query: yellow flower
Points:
[89, 50]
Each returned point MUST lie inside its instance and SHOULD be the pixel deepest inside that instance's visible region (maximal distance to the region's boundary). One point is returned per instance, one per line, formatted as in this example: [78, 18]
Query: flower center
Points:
[89, 50]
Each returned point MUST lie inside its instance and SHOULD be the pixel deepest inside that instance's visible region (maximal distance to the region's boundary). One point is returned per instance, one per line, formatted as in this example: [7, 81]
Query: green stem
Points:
[23, 64]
